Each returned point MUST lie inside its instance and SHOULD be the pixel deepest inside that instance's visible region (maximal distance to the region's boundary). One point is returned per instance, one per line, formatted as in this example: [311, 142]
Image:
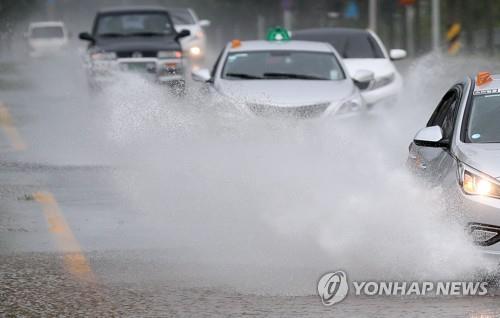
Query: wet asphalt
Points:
[71, 244]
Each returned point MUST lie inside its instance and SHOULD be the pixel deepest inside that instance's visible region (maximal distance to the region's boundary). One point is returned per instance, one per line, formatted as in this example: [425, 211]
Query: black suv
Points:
[136, 39]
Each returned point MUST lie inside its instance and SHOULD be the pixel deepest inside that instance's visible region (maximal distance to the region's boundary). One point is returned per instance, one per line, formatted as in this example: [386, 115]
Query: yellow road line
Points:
[74, 260]
[10, 130]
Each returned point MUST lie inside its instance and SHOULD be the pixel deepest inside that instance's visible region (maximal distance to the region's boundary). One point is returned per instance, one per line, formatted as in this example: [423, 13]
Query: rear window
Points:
[47, 32]
[349, 45]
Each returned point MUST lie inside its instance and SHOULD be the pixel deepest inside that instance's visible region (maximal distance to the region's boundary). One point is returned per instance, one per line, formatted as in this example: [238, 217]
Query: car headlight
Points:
[474, 182]
[103, 56]
[195, 51]
[169, 54]
[349, 106]
[383, 81]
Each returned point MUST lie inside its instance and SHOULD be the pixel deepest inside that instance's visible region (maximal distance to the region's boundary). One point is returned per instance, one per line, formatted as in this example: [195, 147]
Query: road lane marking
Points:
[10, 129]
[74, 259]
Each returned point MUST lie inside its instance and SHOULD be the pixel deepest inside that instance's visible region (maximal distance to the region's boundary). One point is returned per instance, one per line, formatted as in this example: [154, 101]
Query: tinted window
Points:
[47, 32]
[134, 24]
[446, 112]
[181, 17]
[282, 65]
[349, 45]
[483, 126]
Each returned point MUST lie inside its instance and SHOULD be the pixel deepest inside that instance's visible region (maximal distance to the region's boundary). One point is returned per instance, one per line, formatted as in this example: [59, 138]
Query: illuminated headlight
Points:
[195, 51]
[169, 54]
[475, 183]
[349, 106]
[103, 56]
[383, 81]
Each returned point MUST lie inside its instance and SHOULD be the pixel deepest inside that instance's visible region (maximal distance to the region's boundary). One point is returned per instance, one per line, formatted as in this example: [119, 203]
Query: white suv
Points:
[47, 38]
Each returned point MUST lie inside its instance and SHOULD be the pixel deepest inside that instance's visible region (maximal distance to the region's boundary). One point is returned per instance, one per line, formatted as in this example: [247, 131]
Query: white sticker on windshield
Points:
[334, 74]
[476, 136]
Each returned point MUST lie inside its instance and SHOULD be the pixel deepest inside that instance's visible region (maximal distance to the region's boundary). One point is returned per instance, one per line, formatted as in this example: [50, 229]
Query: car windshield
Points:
[355, 45]
[47, 32]
[134, 24]
[181, 17]
[282, 65]
[484, 115]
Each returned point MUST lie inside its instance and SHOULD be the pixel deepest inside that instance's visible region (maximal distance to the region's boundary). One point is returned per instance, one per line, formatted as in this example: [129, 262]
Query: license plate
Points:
[140, 67]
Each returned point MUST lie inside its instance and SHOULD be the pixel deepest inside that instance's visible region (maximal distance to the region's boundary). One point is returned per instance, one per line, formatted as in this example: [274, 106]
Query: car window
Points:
[349, 45]
[181, 17]
[484, 117]
[134, 24]
[445, 114]
[282, 65]
[47, 32]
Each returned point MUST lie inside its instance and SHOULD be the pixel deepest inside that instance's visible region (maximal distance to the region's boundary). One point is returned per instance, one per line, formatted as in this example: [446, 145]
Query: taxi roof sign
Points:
[278, 34]
[483, 78]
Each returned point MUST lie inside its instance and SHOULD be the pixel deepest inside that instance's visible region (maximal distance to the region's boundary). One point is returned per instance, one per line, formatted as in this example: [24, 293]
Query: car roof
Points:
[492, 86]
[260, 45]
[46, 24]
[337, 31]
[125, 9]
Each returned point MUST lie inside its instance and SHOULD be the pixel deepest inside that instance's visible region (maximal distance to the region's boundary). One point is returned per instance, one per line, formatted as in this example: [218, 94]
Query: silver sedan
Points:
[285, 78]
[459, 150]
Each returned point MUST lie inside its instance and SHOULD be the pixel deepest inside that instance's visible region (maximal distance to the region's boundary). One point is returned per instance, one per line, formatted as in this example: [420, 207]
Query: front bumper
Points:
[160, 70]
[481, 215]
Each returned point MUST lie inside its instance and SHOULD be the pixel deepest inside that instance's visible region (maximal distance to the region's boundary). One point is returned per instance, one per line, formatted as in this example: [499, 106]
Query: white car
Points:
[459, 151]
[363, 50]
[47, 38]
[281, 78]
[195, 45]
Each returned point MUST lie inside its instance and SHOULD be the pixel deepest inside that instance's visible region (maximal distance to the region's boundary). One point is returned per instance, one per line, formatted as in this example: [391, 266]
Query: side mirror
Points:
[85, 36]
[397, 54]
[363, 78]
[182, 34]
[204, 23]
[430, 137]
[201, 75]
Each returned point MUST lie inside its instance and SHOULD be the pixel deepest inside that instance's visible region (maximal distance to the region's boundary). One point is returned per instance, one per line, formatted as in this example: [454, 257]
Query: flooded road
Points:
[134, 203]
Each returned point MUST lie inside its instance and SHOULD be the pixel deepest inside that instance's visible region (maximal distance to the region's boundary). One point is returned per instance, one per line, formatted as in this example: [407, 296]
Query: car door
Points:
[435, 163]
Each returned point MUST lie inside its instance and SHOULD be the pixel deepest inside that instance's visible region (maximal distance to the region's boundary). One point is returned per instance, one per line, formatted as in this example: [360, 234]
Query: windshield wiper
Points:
[146, 34]
[242, 75]
[111, 35]
[294, 76]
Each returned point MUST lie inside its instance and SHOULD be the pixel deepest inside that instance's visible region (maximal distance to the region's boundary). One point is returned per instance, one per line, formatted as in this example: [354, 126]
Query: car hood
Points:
[483, 157]
[380, 67]
[138, 43]
[286, 93]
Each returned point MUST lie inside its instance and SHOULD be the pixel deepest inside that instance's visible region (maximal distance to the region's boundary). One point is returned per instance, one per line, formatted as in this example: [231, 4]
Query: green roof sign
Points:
[278, 34]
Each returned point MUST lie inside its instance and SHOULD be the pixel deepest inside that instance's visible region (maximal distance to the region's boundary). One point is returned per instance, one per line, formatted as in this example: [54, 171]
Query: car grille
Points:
[129, 54]
[304, 111]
